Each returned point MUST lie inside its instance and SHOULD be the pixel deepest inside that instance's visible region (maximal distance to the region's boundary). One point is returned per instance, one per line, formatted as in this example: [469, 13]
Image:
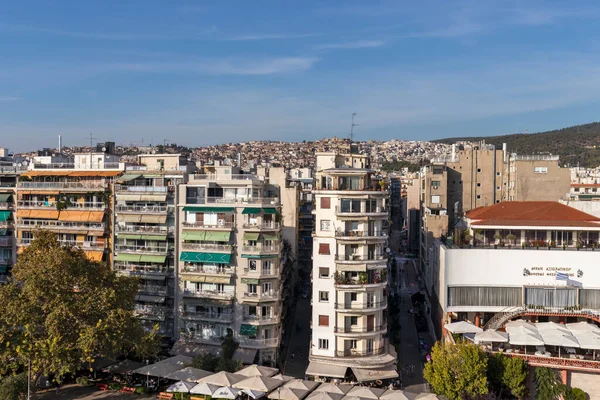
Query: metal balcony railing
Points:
[141, 189]
[60, 225]
[52, 204]
[205, 225]
[357, 329]
[261, 272]
[271, 319]
[361, 353]
[123, 248]
[239, 200]
[208, 270]
[262, 225]
[86, 185]
[359, 233]
[378, 211]
[270, 295]
[261, 249]
[196, 315]
[141, 271]
[69, 243]
[227, 177]
[154, 290]
[197, 337]
[151, 310]
[360, 257]
[6, 241]
[258, 342]
[6, 206]
[208, 294]
[142, 209]
[149, 229]
[361, 306]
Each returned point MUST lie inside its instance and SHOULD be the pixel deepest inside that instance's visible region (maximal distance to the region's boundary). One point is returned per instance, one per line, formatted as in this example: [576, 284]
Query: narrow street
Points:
[297, 340]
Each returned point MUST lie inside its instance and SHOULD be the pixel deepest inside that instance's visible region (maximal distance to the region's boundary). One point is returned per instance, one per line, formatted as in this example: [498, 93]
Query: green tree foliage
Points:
[13, 387]
[574, 394]
[398, 165]
[457, 371]
[206, 361]
[61, 311]
[211, 362]
[547, 384]
[514, 376]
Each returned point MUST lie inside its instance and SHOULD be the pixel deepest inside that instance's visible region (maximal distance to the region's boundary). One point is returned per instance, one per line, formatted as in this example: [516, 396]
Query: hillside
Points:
[575, 144]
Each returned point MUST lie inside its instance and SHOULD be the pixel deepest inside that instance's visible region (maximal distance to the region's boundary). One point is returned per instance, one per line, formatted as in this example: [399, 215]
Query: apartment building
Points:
[349, 272]
[72, 199]
[234, 261]
[8, 182]
[145, 234]
[303, 178]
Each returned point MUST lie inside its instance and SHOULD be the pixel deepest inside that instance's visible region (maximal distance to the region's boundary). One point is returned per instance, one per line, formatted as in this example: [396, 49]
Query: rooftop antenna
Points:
[91, 147]
[352, 127]
[92, 140]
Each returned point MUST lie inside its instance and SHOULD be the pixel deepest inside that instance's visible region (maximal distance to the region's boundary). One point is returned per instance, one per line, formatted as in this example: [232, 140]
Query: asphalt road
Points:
[298, 340]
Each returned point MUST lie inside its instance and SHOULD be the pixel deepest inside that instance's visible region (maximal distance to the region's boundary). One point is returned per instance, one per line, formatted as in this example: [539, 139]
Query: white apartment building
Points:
[349, 272]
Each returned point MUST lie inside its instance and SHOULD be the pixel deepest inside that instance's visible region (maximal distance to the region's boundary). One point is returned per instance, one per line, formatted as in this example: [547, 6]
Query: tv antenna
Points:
[352, 127]
[92, 140]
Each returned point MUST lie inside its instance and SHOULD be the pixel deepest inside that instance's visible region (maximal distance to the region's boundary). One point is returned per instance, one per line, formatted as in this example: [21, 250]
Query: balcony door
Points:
[370, 323]
[267, 288]
[370, 299]
[370, 346]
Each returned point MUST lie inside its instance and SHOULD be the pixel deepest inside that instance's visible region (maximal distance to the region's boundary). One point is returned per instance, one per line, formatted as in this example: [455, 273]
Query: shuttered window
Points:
[323, 320]
[324, 248]
[325, 202]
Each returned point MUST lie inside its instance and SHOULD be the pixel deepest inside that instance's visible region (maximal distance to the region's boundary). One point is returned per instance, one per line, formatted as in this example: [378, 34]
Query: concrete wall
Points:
[531, 186]
[588, 382]
[589, 207]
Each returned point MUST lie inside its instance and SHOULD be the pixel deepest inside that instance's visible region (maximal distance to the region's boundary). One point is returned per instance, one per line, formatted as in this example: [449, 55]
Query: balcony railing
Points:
[5, 260]
[147, 229]
[159, 311]
[208, 294]
[272, 342]
[199, 338]
[63, 185]
[361, 353]
[227, 177]
[240, 200]
[122, 248]
[261, 272]
[266, 319]
[270, 295]
[263, 225]
[357, 329]
[141, 271]
[69, 243]
[141, 189]
[272, 249]
[360, 257]
[208, 270]
[202, 316]
[6, 241]
[378, 212]
[154, 290]
[60, 225]
[52, 204]
[6, 206]
[70, 165]
[204, 225]
[354, 305]
[358, 234]
[224, 248]
[142, 209]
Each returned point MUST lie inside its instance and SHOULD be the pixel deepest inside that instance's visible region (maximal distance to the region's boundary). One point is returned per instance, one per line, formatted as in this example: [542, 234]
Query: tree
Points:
[13, 387]
[62, 310]
[457, 371]
[574, 394]
[547, 384]
[211, 362]
[514, 376]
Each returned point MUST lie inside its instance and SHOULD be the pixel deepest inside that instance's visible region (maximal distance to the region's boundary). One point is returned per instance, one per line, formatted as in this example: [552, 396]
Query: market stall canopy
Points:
[257, 370]
[491, 336]
[462, 327]
[181, 387]
[189, 374]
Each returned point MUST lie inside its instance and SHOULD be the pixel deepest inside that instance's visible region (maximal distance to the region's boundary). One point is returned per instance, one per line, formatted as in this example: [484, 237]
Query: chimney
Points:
[453, 151]
[59, 144]
[504, 153]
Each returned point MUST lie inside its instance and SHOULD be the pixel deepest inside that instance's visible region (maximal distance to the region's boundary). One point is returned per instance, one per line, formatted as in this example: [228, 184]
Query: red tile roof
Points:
[531, 213]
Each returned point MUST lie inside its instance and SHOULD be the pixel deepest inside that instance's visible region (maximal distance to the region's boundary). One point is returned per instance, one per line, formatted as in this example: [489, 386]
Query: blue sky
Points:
[206, 72]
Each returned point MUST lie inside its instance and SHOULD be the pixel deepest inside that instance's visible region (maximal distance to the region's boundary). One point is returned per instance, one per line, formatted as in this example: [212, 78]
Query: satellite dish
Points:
[387, 250]
[104, 149]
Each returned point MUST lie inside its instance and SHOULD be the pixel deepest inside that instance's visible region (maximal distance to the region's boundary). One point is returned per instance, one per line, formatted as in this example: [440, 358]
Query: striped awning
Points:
[193, 256]
[4, 215]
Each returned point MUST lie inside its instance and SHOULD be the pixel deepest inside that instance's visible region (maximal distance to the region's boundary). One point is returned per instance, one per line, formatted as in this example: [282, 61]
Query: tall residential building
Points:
[349, 272]
[303, 178]
[72, 199]
[9, 173]
[145, 230]
[234, 260]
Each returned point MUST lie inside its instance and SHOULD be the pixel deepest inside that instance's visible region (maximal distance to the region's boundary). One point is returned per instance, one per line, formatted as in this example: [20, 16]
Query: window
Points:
[353, 321]
[324, 248]
[497, 173]
[323, 344]
[323, 320]
[478, 169]
[371, 206]
[353, 296]
[352, 344]
[478, 184]
[325, 202]
[323, 272]
[350, 205]
[324, 296]
[251, 288]
[325, 225]
[435, 199]
[540, 170]
[497, 187]
[435, 184]
[252, 265]
[195, 195]
[478, 196]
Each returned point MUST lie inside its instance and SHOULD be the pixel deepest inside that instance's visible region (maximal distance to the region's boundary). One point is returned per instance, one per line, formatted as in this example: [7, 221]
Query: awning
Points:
[251, 210]
[333, 371]
[150, 219]
[193, 256]
[150, 299]
[4, 215]
[218, 236]
[128, 257]
[4, 197]
[250, 236]
[41, 214]
[194, 278]
[129, 197]
[365, 375]
[246, 356]
[3, 268]
[270, 236]
[270, 211]
[73, 173]
[209, 209]
[128, 177]
[94, 255]
[153, 197]
[218, 279]
[259, 256]
[81, 216]
[153, 259]
[152, 176]
[193, 235]
[248, 330]
[131, 236]
[252, 281]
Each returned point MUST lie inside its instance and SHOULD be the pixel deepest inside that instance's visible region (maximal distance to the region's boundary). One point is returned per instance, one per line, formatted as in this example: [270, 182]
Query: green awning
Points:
[149, 176]
[157, 238]
[3, 232]
[4, 215]
[257, 256]
[3, 269]
[250, 236]
[208, 209]
[193, 256]
[251, 210]
[252, 281]
[128, 177]
[270, 211]
[4, 197]
[128, 257]
[129, 236]
[248, 330]
[193, 235]
[153, 259]
[270, 236]
[218, 236]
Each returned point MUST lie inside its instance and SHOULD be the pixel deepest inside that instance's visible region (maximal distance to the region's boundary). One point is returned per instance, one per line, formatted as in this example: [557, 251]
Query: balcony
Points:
[261, 319]
[74, 186]
[357, 331]
[361, 235]
[258, 343]
[364, 280]
[5, 260]
[204, 225]
[6, 224]
[355, 306]
[151, 312]
[134, 249]
[206, 270]
[90, 206]
[208, 294]
[142, 209]
[263, 296]
[227, 177]
[261, 226]
[142, 272]
[199, 338]
[143, 229]
[240, 200]
[31, 224]
[6, 241]
[6, 206]
[261, 273]
[140, 189]
[207, 316]
[380, 212]
[373, 261]
[213, 247]
[361, 353]
[68, 243]
[154, 290]
[273, 249]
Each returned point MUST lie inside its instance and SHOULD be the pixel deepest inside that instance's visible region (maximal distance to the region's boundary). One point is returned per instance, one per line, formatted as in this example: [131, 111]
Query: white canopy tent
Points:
[257, 370]
[258, 383]
[462, 327]
[206, 389]
[333, 388]
[181, 387]
[583, 327]
[491, 336]
[222, 379]
[552, 326]
[285, 393]
[189, 374]
[391, 394]
[520, 324]
[226, 392]
[324, 396]
[365, 392]
[301, 384]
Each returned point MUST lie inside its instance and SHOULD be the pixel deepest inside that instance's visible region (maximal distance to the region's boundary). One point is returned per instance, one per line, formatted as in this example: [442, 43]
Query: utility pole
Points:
[352, 127]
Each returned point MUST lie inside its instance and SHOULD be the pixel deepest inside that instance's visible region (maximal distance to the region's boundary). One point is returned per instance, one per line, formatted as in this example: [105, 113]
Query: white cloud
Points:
[7, 99]
[268, 36]
[360, 44]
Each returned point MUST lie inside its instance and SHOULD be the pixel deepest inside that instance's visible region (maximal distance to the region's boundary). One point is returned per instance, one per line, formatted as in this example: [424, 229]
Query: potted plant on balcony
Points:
[497, 237]
[467, 238]
[363, 278]
[511, 239]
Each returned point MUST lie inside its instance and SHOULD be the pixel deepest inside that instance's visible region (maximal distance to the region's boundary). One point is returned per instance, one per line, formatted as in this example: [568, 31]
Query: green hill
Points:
[576, 144]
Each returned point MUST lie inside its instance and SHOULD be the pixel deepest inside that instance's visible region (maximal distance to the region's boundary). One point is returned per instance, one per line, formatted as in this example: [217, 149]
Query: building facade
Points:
[349, 271]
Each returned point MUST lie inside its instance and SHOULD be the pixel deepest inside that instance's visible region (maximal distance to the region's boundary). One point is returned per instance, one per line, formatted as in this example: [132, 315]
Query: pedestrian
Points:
[293, 355]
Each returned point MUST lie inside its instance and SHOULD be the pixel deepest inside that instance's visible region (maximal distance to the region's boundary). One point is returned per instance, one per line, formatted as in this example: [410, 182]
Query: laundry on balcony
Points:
[192, 256]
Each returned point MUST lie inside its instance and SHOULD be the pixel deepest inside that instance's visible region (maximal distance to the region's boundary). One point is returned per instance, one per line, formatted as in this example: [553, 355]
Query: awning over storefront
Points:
[128, 257]
[193, 256]
[365, 375]
[40, 214]
[128, 177]
[94, 255]
[270, 211]
[259, 256]
[270, 236]
[209, 209]
[250, 236]
[81, 216]
[150, 299]
[218, 236]
[248, 330]
[4, 197]
[319, 369]
[251, 210]
[4, 215]
[153, 259]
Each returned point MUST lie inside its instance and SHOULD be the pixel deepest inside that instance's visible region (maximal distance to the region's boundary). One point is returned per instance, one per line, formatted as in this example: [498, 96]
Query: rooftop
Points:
[531, 213]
